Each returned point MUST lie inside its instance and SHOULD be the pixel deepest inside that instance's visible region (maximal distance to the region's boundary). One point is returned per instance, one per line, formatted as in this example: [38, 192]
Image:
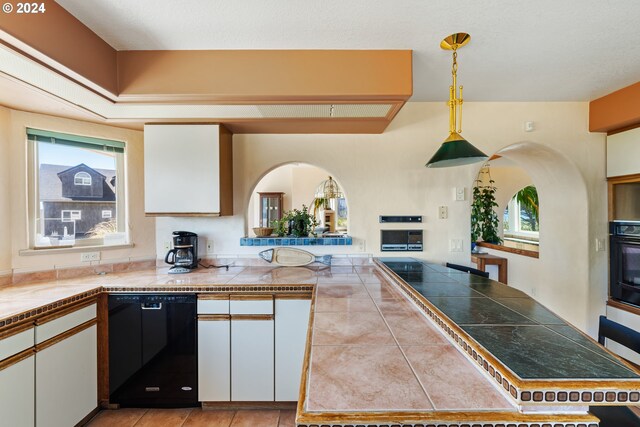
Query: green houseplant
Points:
[484, 220]
[296, 222]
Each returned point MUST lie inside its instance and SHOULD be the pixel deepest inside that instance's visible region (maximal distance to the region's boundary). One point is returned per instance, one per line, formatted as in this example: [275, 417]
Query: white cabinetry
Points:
[17, 393]
[252, 347]
[623, 152]
[192, 162]
[66, 369]
[214, 349]
[291, 325]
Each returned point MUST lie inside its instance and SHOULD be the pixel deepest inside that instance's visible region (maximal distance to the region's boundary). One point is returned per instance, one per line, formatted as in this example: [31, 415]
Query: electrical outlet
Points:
[362, 245]
[90, 256]
[455, 245]
[443, 212]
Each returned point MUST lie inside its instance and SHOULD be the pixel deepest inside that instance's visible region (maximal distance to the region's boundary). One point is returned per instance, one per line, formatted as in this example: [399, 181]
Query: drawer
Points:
[251, 304]
[213, 304]
[16, 343]
[62, 324]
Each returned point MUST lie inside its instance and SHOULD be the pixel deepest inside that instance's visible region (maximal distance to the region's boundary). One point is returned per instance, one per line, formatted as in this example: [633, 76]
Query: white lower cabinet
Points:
[252, 359]
[291, 324]
[17, 393]
[214, 359]
[66, 379]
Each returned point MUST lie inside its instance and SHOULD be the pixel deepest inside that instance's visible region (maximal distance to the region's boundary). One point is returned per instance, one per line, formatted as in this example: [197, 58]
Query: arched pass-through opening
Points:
[290, 186]
[559, 278]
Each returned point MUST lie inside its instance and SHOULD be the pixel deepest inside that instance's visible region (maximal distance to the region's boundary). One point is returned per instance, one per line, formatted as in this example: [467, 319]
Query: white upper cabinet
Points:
[623, 153]
[187, 170]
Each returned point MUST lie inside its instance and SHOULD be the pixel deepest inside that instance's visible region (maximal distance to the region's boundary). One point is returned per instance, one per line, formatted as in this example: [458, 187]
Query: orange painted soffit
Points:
[59, 40]
[69, 49]
[616, 111]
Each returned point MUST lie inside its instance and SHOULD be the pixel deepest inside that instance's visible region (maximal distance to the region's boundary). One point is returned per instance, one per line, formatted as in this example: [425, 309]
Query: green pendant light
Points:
[455, 150]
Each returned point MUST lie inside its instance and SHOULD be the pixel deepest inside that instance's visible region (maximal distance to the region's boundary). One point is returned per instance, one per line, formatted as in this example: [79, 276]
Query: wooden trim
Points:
[523, 252]
[252, 297]
[216, 297]
[612, 182]
[252, 317]
[16, 358]
[300, 296]
[90, 415]
[623, 129]
[225, 171]
[306, 362]
[213, 317]
[103, 348]
[420, 417]
[248, 405]
[66, 310]
[16, 330]
[625, 307]
[63, 336]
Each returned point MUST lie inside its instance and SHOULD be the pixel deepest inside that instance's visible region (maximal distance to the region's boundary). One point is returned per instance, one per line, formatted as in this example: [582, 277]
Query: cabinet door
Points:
[214, 358]
[182, 169]
[291, 324]
[67, 380]
[17, 394]
[252, 358]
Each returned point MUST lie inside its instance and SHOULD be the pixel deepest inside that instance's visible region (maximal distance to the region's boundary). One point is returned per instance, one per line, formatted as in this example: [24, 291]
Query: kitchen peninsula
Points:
[396, 342]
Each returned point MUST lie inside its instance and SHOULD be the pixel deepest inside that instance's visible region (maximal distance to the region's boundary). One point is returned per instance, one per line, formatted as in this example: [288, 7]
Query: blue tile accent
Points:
[292, 241]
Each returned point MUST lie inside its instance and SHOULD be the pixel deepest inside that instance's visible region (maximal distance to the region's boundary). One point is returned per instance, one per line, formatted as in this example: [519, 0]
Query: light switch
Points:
[455, 245]
[443, 212]
[459, 194]
[600, 245]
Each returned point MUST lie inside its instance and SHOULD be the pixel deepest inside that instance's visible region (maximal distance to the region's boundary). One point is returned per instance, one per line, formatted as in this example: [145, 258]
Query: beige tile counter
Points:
[373, 357]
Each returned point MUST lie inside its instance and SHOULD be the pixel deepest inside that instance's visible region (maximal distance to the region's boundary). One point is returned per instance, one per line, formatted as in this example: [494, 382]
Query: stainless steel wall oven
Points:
[624, 265]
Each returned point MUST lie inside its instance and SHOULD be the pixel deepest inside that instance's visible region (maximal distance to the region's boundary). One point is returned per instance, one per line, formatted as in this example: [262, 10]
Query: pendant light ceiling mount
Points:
[455, 150]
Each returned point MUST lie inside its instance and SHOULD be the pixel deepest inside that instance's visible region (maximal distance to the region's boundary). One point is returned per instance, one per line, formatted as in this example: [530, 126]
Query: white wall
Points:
[385, 175]
[13, 146]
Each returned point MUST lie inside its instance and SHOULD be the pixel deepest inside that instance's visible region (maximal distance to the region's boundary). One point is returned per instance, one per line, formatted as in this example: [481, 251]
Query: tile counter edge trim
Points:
[296, 241]
[32, 314]
[522, 392]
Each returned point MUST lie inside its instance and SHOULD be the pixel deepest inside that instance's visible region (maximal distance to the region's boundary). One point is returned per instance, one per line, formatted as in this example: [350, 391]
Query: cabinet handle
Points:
[151, 306]
[252, 317]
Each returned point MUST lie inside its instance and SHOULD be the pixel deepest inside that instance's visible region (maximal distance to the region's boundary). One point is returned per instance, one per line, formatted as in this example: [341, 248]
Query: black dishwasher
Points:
[153, 350]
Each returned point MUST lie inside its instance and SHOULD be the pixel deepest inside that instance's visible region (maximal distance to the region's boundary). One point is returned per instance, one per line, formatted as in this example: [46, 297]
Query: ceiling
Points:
[521, 50]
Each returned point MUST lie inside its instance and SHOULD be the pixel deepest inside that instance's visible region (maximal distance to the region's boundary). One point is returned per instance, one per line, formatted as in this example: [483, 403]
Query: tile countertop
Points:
[373, 357]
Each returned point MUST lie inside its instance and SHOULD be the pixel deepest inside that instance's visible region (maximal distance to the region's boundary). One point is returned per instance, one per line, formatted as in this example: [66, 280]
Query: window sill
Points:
[73, 249]
[524, 252]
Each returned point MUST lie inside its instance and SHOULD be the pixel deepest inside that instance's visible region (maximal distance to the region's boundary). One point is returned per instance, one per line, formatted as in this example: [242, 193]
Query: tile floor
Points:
[193, 417]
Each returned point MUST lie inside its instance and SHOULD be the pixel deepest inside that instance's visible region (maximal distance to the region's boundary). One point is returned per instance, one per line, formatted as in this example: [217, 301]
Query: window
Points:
[65, 209]
[521, 217]
[82, 178]
[70, 216]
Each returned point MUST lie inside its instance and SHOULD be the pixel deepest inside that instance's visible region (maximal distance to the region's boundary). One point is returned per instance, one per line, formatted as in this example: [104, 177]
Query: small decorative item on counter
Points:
[296, 222]
[291, 257]
[263, 231]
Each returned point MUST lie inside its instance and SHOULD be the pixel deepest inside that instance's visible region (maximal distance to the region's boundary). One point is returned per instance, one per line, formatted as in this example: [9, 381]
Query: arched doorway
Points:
[560, 277]
[292, 186]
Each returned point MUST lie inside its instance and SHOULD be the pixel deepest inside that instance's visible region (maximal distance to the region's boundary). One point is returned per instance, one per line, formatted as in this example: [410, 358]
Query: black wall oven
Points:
[624, 266]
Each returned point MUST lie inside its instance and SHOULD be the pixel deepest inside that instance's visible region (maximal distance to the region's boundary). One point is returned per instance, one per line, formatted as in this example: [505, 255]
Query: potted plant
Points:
[296, 222]
[484, 220]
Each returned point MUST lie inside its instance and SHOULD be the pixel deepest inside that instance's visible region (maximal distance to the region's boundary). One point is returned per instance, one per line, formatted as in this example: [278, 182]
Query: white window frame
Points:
[74, 215]
[107, 214]
[80, 178]
[514, 223]
[36, 217]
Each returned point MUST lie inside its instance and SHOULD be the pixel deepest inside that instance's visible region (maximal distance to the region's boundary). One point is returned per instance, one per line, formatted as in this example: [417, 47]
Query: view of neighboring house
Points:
[74, 199]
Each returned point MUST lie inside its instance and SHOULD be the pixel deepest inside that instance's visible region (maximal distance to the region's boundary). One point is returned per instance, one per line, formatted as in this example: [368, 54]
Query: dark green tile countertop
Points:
[525, 336]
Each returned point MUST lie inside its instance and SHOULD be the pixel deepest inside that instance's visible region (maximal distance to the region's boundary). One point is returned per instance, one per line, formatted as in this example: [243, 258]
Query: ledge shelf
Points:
[297, 241]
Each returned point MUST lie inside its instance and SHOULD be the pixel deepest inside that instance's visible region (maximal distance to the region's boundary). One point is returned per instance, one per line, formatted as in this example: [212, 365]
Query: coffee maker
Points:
[184, 255]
